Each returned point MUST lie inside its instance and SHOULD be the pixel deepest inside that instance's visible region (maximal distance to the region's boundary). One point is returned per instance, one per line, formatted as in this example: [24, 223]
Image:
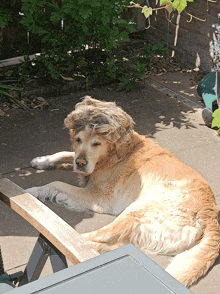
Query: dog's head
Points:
[98, 130]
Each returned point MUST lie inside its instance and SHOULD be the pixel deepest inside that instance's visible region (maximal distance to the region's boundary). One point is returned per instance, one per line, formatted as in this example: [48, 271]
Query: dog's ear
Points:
[122, 150]
[74, 121]
[69, 121]
[122, 145]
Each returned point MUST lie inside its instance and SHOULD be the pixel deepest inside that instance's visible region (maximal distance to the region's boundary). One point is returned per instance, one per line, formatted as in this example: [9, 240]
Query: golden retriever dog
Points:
[162, 205]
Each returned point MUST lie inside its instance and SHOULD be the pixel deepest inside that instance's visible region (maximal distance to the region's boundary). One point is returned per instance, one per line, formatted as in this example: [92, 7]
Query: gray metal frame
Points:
[120, 271]
[42, 250]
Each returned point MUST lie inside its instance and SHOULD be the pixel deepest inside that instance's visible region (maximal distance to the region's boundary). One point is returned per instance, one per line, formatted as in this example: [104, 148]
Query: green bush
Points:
[72, 27]
[15, 40]
[9, 13]
[79, 39]
[10, 17]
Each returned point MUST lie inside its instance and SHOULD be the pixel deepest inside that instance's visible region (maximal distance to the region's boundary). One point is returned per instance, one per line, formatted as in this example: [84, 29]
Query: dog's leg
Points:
[60, 160]
[71, 197]
[104, 247]
[186, 267]
[120, 232]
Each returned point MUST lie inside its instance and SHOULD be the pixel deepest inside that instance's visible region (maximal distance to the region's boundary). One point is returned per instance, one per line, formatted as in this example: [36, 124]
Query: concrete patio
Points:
[164, 114]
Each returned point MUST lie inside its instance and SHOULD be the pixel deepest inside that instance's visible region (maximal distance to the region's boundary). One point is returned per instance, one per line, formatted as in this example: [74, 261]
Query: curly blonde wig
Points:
[103, 118]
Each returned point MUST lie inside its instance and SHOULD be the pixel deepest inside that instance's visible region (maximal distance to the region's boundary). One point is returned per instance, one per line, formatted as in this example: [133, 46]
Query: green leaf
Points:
[114, 44]
[85, 29]
[163, 2]
[4, 88]
[170, 7]
[4, 19]
[85, 13]
[9, 87]
[5, 93]
[147, 11]
[179, 5]
[160, 49]
[216, 118]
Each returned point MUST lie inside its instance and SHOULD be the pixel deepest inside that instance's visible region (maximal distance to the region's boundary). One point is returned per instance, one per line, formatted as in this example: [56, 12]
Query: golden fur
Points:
[162, 205]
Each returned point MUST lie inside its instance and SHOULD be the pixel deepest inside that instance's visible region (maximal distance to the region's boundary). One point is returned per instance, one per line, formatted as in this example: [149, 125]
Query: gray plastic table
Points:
[124, 270]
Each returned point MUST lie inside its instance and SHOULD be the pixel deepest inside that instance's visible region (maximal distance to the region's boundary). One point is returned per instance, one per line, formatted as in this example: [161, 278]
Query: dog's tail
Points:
[189, 266]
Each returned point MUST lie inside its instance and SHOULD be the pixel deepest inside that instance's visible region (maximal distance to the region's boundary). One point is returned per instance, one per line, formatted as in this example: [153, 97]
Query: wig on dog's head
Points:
[103, 118]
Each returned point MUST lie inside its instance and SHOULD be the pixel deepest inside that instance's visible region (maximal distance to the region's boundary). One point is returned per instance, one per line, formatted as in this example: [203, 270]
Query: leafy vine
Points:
[169, 5]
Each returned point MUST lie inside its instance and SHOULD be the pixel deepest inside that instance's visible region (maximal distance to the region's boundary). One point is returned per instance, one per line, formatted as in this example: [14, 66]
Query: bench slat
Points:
[55, 229]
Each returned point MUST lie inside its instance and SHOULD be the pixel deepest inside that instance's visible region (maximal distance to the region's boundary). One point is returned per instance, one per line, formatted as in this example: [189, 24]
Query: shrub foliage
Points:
[71, 30]
[79, 39]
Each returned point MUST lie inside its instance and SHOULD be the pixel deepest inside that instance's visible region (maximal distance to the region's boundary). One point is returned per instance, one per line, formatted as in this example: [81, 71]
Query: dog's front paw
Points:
[42, 162]
[47, 192]
[34, 191]
[42, 193]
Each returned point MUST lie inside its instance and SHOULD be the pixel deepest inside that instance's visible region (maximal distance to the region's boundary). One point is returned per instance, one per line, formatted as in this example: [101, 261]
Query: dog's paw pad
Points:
[41, 162]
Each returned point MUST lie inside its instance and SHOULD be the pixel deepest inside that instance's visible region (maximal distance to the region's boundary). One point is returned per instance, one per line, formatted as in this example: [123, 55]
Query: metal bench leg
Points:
[42, 250]
[57, 259]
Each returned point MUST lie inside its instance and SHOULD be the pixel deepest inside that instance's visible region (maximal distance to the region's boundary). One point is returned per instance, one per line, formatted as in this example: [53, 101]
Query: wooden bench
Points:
[61, 238]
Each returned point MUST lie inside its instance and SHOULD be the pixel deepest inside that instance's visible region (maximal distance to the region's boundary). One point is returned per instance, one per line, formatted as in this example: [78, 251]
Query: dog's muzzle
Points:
[81, 163]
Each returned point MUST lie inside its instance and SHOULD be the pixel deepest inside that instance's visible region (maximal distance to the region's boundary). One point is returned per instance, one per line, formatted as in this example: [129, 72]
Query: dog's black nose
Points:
[81, 161]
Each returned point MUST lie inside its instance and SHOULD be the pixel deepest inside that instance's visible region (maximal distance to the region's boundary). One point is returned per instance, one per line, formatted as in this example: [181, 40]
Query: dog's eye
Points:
[96, 144]
[78, 140]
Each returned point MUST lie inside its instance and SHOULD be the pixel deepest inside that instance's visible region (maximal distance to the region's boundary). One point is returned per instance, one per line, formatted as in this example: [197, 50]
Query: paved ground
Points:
[158, 112]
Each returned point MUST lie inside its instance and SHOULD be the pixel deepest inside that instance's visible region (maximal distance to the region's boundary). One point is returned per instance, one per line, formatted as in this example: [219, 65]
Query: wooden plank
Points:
[16, 60]
[55, 229]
